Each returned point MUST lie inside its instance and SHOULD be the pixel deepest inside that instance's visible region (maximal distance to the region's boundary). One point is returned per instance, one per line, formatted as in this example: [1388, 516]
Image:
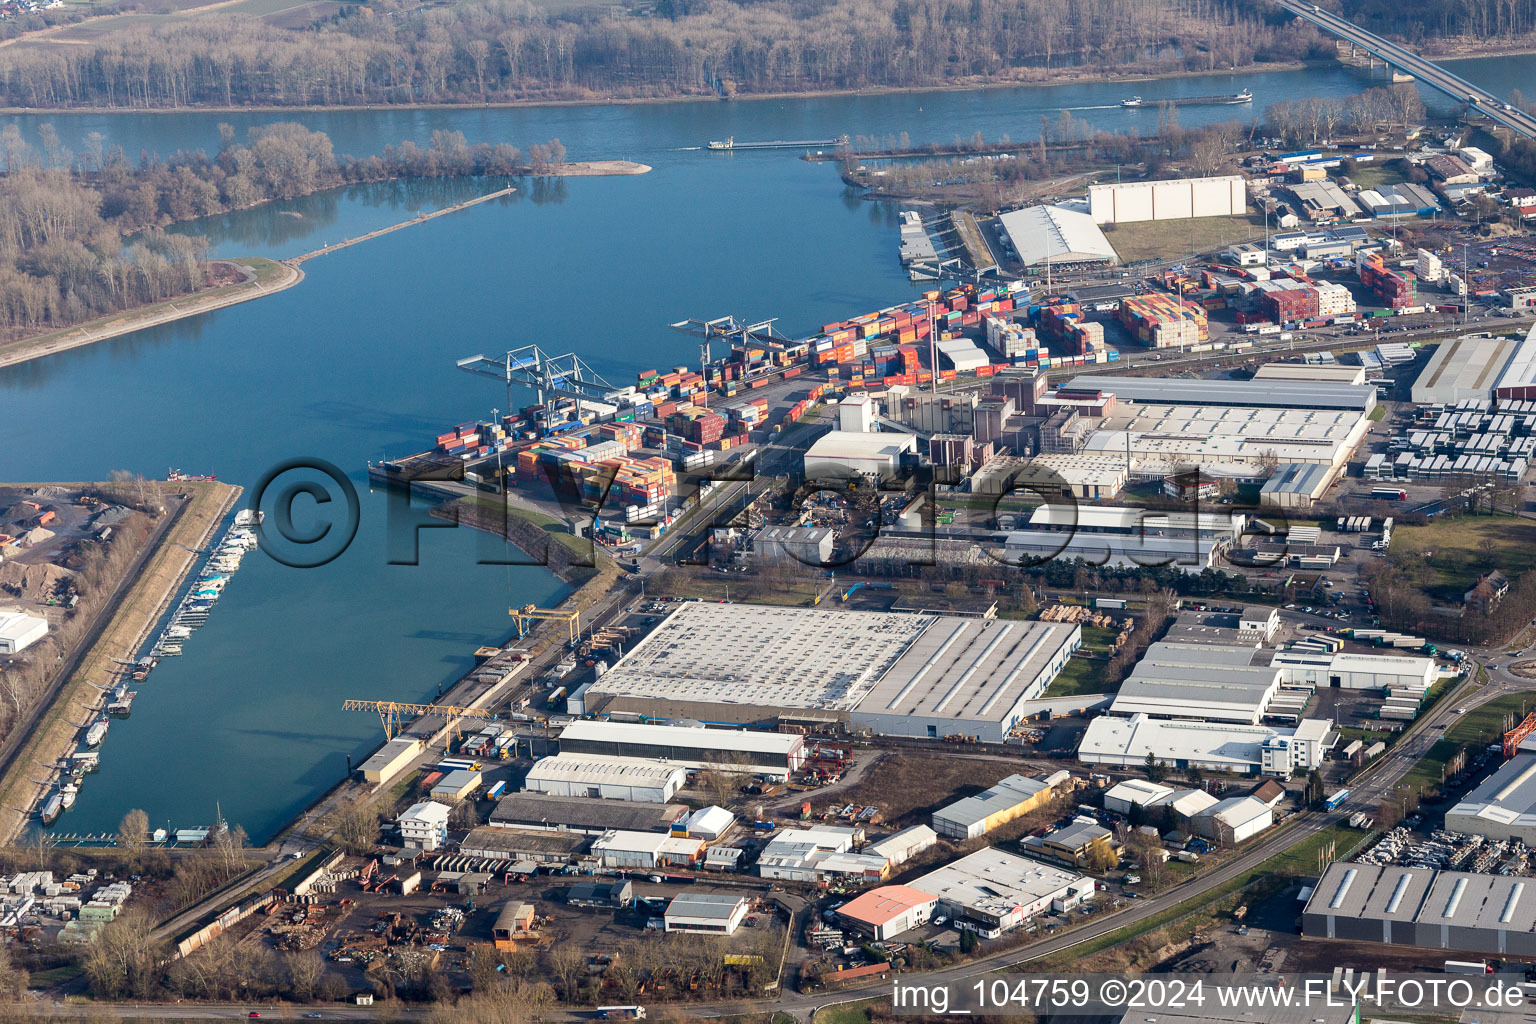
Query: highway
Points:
[1428, 72]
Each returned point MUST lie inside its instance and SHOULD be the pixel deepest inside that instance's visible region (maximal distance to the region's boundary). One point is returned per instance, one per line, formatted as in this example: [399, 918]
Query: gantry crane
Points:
[393, 714]
[530, 366]
[572, 619]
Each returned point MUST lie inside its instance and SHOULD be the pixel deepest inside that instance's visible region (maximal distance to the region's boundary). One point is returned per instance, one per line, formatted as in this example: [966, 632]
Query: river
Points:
[356, 363]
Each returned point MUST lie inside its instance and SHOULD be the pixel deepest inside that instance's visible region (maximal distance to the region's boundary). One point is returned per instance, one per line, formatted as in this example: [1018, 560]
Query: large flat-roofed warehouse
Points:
[1333, 374]
[1212, 746]
[538, 811]
[1120, 536]
[1518, 381]
[967, 677]
[1410, 906]
[1470, 367]
[1350, 671]
[739, 750]
[998, 891]
[1226, 440]
[1255, 394]
[1504, 805]
[612, 778]
[1208, 682]
[841, 454]
[1056, 235]
[911, 675]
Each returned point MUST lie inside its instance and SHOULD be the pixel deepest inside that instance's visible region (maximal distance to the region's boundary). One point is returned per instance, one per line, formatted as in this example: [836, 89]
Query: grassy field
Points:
[1480, 725]
[1080, 675]
[1456, 549]
[1170, 238]
[1374, 176]
[856, 1012]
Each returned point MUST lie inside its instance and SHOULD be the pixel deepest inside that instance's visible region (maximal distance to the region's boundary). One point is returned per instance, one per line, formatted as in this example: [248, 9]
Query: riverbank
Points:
[127, 625]
[1075, 76]
[263, 277]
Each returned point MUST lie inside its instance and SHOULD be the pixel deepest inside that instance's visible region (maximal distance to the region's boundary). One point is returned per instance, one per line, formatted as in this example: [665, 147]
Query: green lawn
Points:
[1481, 725]
[1453, 552]
[845, 1013]
[54, 976]
[1099, 639]
[1081, 675]
[1374, 176]
[1165, 239]
[1378, 413]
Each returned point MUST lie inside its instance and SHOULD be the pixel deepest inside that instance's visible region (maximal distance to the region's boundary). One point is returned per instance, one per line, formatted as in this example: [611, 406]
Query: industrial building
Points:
[1057, 236]
[900, 847]
[1298, 484]
[424, 826]
[793, 545]
[620, 849]
[1250, 394]
[1072, 844]
[1333, 373]
[995, 892]
[888, 911]
[1233, 820]
[456, 786]
[1122, 796]
[819, 854]
[842, 454]
[1171, 199]
[1121, 536]
[1411, 906]
[583, 814]
[1350, 671]
[391, 759]
[708, 823]
[706, 913]
[611, 778]
[18, 630]
[695, 748]
[1474, 367]
[1222, 747]
[890, 673]
[1011, 798]
[967, 677]
[516, 844]
[1504, 805]
[1206, 682]
[1226, 441]
[1089, 475]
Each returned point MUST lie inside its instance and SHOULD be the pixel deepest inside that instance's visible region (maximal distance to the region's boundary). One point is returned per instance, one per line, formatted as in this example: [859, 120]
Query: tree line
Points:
[380, 52]
[81, 234]
[1427, 19]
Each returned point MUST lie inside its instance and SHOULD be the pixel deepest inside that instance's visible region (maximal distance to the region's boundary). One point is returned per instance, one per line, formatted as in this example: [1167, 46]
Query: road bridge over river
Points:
[1428, 72]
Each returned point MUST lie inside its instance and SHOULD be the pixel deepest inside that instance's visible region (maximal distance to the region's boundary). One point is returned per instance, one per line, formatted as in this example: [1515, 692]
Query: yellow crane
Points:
[522, 616]
[394, 714]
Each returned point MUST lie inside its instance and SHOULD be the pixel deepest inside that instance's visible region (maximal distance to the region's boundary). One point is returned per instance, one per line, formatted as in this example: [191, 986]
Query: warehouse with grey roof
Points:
[893, 673]
[1411, 906]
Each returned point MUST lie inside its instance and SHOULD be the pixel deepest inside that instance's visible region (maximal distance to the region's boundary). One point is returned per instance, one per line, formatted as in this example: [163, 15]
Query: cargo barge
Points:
[721, 145]
[1226, 99]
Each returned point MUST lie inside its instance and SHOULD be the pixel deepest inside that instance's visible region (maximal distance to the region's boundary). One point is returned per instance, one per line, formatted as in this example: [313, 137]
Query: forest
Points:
[503, 50]
[64, 217]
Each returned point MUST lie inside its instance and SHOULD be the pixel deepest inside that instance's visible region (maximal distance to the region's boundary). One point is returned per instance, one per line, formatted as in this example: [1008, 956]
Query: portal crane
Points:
[532, 367]
[522, 616]
[393, 714]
